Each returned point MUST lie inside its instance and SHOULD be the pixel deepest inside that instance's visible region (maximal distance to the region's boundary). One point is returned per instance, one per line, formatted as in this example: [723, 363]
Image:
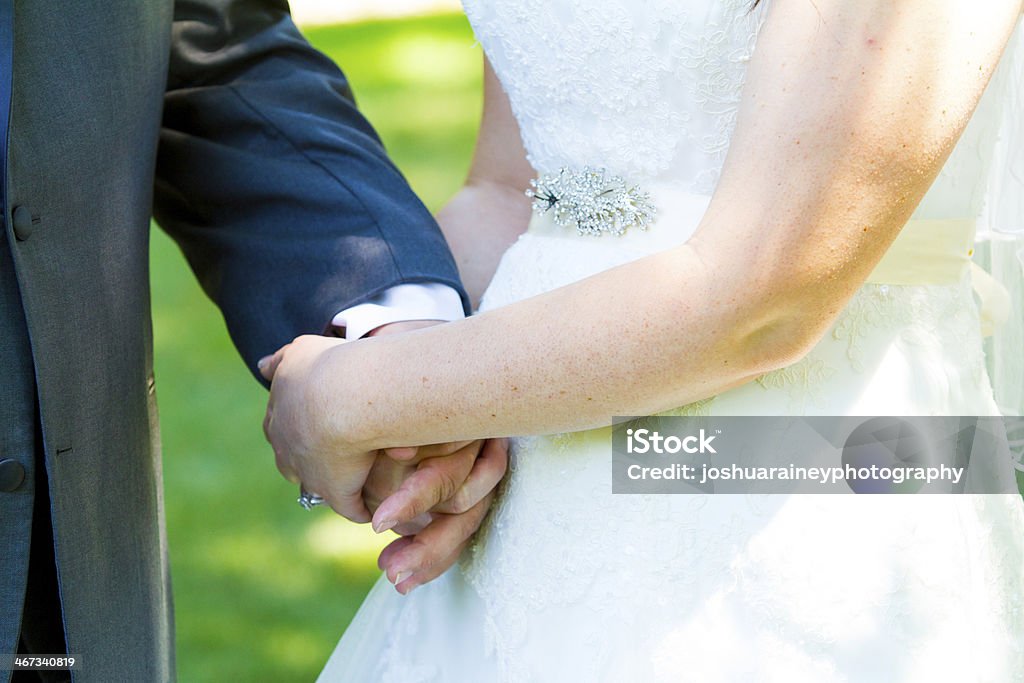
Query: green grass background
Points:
[263, 590]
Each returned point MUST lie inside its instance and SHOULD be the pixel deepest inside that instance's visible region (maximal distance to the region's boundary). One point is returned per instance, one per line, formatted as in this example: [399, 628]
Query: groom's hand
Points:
[437, 508]
[450, 479]
[450, 464]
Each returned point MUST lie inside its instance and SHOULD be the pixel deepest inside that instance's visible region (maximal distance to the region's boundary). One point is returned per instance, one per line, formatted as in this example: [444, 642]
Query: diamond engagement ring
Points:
[308, 500]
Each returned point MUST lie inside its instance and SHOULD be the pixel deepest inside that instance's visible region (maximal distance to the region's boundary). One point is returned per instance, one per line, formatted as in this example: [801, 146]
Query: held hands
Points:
[444, 497]
[297, 425]
[435, 496]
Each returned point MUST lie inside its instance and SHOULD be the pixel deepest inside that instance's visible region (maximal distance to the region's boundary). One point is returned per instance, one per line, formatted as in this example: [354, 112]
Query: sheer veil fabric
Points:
[1001, 224]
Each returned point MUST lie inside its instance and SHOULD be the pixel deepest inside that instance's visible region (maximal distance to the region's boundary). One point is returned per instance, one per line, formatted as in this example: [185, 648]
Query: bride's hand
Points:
[449, 478]
[451, 485]
[299, 428]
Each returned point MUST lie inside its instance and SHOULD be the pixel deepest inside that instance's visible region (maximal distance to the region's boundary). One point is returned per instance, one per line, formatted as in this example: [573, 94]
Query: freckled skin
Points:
[833, 149]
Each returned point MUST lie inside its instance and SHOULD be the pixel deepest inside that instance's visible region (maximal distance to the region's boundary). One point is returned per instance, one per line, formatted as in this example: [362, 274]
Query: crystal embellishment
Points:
[593, 201]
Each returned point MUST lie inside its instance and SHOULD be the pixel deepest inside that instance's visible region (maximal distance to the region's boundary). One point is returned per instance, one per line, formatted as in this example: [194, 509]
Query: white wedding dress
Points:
[567, 582]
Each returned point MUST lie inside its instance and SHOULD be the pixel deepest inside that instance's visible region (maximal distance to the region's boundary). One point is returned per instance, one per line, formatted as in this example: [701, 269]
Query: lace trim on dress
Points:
[670, 82]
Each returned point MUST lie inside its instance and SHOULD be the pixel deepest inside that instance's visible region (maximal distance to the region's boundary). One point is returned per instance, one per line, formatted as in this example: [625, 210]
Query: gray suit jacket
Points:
[217, 117]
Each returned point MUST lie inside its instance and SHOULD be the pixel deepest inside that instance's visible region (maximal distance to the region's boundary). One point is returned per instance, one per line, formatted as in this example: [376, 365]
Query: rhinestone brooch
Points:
[593, 201]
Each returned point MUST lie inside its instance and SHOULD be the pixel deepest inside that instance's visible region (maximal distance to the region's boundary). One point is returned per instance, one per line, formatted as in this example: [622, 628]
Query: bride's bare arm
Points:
[848, 113]
[491, 210]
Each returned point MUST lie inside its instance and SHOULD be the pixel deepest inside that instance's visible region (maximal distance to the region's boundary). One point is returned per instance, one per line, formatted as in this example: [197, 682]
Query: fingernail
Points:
[384, 525]
[402, 576]
[262, 362]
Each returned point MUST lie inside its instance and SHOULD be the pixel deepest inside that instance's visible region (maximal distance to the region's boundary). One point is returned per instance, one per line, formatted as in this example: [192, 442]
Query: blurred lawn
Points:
[262, 589]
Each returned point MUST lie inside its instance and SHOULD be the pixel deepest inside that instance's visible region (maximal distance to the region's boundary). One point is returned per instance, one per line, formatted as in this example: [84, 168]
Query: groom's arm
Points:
[283, 200]
[280, 193]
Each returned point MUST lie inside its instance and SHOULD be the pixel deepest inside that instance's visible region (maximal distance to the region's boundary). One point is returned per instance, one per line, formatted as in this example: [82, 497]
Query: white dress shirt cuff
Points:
[423, 301]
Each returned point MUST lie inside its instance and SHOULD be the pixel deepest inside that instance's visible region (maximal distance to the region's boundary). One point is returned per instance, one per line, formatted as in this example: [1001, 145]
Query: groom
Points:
[288, 210]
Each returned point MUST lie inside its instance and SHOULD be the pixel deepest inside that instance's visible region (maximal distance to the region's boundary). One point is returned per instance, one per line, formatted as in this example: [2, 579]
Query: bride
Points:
[780, 253]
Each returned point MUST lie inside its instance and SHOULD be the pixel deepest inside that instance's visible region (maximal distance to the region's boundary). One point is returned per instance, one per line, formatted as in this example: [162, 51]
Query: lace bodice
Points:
[644, 89]
[651, 90]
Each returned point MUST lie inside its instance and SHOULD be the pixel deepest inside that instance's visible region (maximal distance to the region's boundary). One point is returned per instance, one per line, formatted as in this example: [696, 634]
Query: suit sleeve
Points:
[277, 190]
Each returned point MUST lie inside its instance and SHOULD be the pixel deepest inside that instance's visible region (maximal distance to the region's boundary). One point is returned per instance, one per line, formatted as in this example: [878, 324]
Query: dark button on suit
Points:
[22, 222]
[12, 474]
